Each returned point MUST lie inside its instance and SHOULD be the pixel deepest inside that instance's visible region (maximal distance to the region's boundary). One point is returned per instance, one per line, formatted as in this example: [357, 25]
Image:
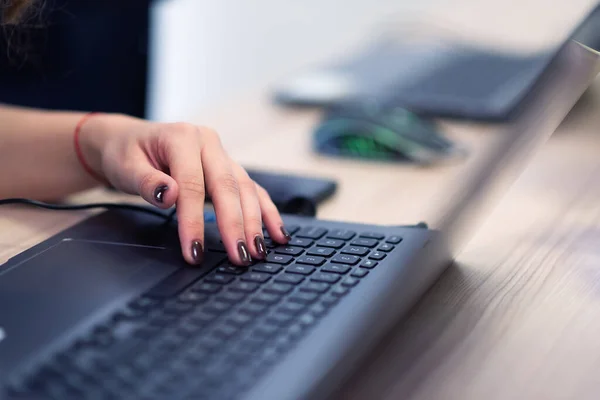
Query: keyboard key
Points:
[370, 264]
[300, 269]
[329, 300]
[186, 331]
[321, 252]
[332, 243]
[264, 332]
[310, 232]
[318, 310]
[201, 318]
[386, 247]
[377, 255]
[300, 242]
[258, 277]
[316, 287]
[280, 319]
[345, 259]
[231, 269]
[270, 243]
[144, 303]
[372, 235]
[163, 320]
[340, 291]
[268, 268]
[364, 242]
[310, 260]
[289, 278]
[289, 250]
[278, 288]
[231, 297]
[304, 298]
[217, 307]
[246, 287]
[336, 268]
[130, 314]
[209, 342]
[279, 258]
[359, 272]
[341, 234]
[325, 277]
[213, 244]
[350, 281]
[219, 278]
[146, 332]
[178, 308]
[291, 308]
[226, 331]
[307, 320]
[355, 250]
[253, 309]
[192, 297]
[209, 288]
[292, 229]
[394, 239]
[266, 298]
[239, 319]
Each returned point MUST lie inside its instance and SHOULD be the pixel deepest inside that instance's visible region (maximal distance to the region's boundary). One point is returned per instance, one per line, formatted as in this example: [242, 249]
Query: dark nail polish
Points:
[259, 242]
[244, 253]
[159, 193]
[197, 252]
[286, 233]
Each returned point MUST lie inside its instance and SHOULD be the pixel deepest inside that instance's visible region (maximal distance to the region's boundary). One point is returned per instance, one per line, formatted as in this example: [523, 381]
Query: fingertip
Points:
[165, 194]
[196, 252]
[259, 250]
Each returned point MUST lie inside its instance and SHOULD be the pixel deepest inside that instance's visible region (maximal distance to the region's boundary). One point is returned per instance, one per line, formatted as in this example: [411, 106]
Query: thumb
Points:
[152, 185]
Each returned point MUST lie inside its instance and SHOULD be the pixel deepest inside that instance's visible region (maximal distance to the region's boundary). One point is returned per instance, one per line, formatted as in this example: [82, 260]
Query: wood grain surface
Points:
[518, 315]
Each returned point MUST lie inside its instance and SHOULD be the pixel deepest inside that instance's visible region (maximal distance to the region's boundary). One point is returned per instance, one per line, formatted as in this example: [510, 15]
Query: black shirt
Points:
[87, 55]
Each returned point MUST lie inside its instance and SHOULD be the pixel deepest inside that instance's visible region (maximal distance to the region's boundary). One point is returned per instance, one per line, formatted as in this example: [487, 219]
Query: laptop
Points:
[107, 309]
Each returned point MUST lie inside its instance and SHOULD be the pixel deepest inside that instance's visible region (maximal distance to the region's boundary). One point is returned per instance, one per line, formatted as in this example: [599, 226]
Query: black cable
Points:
[89, 206]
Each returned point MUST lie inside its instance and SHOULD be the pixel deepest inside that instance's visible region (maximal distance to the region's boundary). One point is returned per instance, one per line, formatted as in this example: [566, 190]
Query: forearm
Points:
[37, 157]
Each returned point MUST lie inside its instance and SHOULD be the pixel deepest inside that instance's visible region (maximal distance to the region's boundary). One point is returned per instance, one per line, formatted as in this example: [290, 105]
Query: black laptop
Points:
[108, 310]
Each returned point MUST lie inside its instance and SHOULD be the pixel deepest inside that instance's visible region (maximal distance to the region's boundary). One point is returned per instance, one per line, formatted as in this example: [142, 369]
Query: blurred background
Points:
[167, 60]
[204, 51]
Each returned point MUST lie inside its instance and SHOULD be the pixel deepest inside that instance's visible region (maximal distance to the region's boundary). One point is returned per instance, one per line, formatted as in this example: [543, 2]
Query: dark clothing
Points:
[85, 55]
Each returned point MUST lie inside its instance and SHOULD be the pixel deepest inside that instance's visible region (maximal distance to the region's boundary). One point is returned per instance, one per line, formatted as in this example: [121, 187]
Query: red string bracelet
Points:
[79, 153]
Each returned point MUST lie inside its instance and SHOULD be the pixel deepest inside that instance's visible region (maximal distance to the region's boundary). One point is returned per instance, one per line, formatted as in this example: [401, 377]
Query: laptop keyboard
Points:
[211, 332]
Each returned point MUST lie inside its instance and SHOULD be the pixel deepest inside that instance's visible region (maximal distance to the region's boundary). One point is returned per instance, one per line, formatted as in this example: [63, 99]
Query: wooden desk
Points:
[518, 316]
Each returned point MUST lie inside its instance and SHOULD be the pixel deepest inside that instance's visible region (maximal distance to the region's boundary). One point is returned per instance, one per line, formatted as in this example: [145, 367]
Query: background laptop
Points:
[107, 309]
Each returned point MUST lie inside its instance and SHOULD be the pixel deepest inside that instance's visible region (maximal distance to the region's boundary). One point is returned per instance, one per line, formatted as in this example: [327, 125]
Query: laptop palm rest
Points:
[49, 295]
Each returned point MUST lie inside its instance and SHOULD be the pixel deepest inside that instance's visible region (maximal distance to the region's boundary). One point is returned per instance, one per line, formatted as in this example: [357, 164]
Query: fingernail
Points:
[259, 242]
[286, 233]
[197, 252]
[159, 193]
[244, 253]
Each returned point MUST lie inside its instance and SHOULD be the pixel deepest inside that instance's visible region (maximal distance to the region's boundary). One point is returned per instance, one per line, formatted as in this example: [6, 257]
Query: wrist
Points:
[95, 133]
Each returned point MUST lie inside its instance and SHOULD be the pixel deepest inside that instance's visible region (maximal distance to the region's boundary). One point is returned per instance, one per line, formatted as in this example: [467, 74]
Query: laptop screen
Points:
[566, 78]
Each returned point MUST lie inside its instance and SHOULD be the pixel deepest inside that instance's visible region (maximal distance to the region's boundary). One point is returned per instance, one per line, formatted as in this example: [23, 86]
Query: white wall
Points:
[207, 50]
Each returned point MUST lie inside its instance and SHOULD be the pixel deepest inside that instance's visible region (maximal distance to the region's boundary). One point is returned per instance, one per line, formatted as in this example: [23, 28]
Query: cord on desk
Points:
[73, 207]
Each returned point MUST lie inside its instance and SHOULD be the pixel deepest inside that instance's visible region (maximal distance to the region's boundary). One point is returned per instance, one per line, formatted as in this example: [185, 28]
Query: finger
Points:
[152, 185]
[185, 164]
[251, 213]
[271, 217]
[225, 195]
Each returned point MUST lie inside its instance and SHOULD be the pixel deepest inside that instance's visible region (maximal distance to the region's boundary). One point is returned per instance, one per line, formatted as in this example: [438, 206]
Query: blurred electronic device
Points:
[435, 78]
[294, 194]
[371, 131]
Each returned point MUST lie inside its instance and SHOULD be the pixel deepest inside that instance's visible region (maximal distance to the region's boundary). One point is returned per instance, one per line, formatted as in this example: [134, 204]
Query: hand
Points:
[179, 164]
